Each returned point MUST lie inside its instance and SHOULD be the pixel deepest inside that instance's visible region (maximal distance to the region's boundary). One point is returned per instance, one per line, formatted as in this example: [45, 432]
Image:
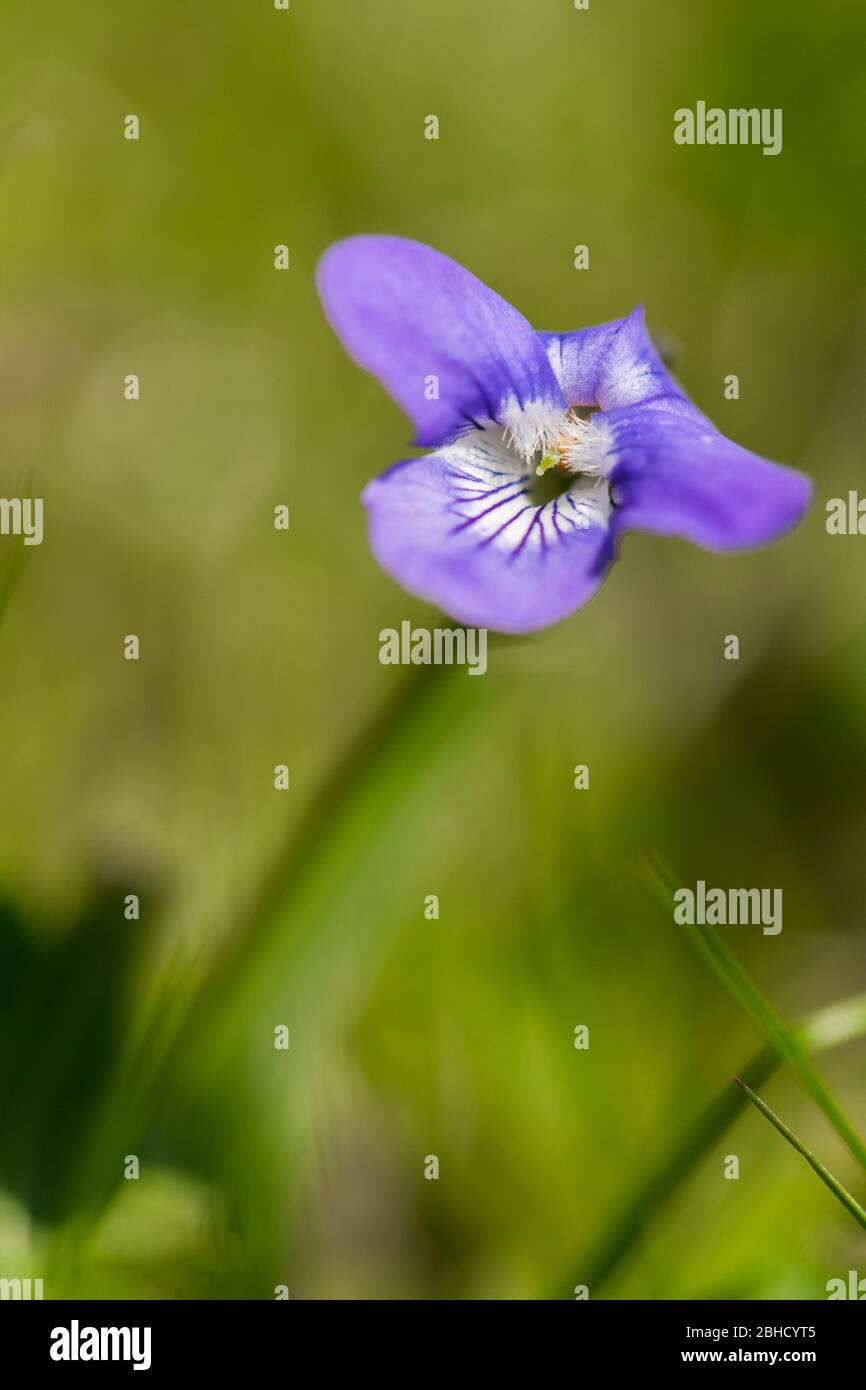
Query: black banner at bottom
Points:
[79, 1338]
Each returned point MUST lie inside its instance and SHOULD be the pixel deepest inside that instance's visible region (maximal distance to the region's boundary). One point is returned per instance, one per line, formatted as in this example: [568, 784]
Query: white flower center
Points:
[532, 481]
[544, 437]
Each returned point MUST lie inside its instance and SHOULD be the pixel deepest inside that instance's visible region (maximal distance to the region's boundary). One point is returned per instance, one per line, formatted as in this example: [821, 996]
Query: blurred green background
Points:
[409, 1037]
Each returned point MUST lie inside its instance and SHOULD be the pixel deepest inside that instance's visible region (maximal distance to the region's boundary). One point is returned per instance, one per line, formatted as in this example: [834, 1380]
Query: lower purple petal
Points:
[472, 542]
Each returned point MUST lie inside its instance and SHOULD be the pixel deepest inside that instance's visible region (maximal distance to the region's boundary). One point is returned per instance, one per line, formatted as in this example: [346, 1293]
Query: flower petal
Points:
[576, 359]
[672, 471]
[632, 371]
[457, 528]
[611, 365]
[408, 314]
[676, 475]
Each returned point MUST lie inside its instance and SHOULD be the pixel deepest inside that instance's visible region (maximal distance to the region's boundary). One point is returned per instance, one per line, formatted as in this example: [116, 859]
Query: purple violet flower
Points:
[547, 446]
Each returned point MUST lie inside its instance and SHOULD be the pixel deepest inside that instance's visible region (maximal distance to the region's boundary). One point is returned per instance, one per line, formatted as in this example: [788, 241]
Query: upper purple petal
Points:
[611, 365]
[458, 529]
[408, 314]
[576, 359]
[676, 475]
[632, 371]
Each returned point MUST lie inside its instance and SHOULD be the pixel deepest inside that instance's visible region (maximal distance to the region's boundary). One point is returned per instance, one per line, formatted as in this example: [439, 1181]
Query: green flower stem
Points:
[405, 734]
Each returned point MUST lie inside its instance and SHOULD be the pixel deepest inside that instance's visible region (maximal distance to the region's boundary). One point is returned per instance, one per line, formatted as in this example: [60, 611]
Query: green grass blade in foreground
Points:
[823, 1173]
[11, 570]
[402, 736]
[760, 1011]
[368, 786]
[14, 559]
[831, 1027]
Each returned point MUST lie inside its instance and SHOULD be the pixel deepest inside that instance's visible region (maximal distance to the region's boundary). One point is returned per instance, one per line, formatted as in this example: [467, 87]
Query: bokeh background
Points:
[306, 908]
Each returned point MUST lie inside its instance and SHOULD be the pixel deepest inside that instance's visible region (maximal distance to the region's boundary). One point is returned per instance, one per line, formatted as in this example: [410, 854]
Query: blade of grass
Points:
[11, 572]
[831, 1027]
[759, 1009]
[823, 1173]
[15, 558]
